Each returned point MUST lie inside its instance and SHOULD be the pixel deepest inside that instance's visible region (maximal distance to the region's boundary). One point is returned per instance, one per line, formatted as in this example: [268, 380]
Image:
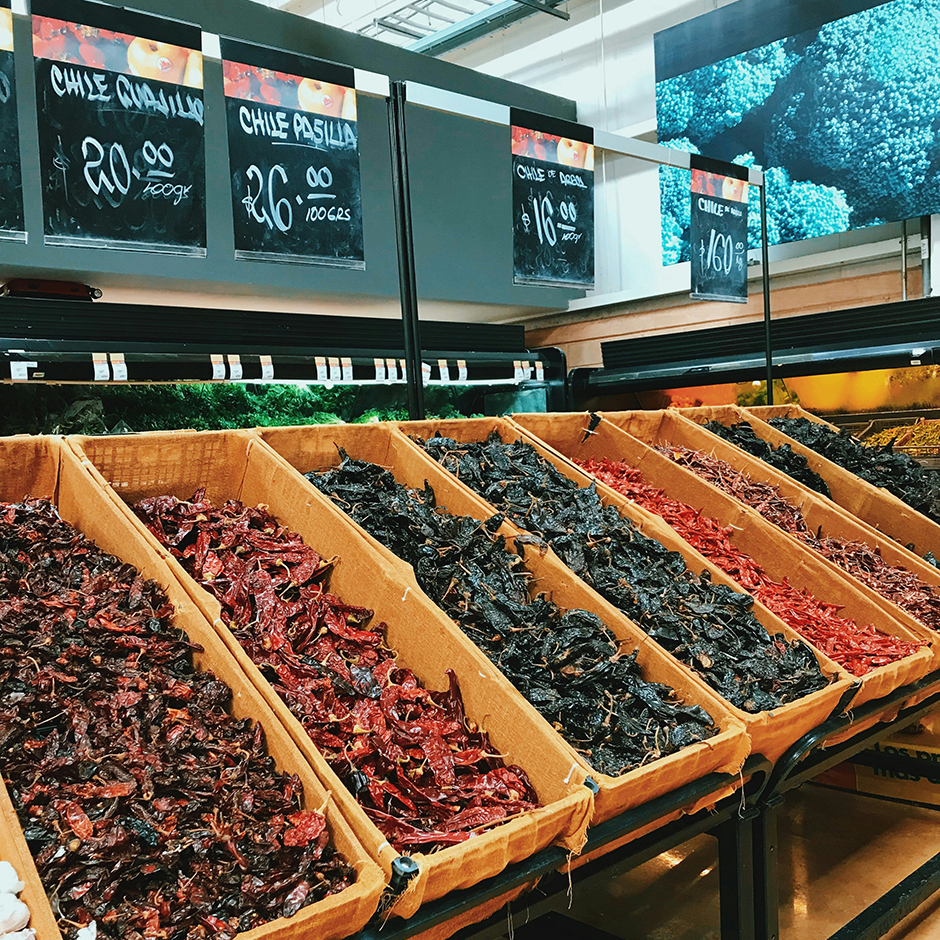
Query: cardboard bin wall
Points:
[237, 465]
[45, 467]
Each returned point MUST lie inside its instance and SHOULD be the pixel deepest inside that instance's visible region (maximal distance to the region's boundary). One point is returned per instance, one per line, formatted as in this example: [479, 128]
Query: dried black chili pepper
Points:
[783, 458]
[424, 774]
[148, 808]
[708, 627]
[564, 662]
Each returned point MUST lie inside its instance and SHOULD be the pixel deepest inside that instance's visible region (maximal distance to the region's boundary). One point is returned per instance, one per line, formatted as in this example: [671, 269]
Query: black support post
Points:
[408, 285]
[736, 878]
[766, 883]
[765, 277]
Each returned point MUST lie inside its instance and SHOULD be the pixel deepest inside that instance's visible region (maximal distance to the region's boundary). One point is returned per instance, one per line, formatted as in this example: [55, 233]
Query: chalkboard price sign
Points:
[121, 139]
[293, 145]
[11, 191]
[719, 231]
[553, 202]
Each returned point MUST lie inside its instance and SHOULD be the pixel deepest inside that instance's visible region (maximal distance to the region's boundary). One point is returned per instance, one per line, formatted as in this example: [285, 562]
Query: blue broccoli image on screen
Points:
[844, 118]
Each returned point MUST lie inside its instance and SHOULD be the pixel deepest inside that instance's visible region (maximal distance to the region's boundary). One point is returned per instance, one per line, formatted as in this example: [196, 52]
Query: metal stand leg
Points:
[766, 885]
[736, 878]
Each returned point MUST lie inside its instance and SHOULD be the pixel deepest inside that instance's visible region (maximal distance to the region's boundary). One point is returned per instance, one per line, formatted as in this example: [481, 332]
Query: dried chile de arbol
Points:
[707, 626]
[426, 775]
[898, 473]
[564, 662]
[897, 584]
[149, 809]
[782, 458]
[858, 649]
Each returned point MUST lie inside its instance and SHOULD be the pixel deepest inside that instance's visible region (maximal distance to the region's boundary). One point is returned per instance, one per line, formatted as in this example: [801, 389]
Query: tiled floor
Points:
[838, 853]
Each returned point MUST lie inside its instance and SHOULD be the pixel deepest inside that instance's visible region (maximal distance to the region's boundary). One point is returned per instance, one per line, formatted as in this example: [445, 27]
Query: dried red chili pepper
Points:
[148, 807]
[897, 584]
[859, 649]
[424, 773]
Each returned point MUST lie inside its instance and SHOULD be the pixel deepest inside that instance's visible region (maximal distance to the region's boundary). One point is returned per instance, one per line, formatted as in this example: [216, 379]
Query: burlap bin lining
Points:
[237, 465]
[766, 412]
[780, 556]
[315, 449]
[821, 514]
[873, 505]
[50, 469]
[771, 732]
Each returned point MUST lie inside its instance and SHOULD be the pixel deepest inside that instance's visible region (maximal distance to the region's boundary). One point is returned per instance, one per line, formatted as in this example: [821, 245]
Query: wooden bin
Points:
[45, 467]
[771, 732]
[780, 556]
[821, 514]
[315, 448]
[237, 465]
[873, 505]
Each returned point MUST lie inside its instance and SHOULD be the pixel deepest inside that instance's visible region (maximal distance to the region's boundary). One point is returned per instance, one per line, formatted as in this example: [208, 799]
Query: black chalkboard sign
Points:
[121, 139]
[552, 201]
[719, 231]
[293, 144]
[11, 190]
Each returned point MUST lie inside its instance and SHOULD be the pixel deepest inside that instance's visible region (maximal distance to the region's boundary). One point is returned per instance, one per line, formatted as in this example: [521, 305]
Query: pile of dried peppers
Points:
[424, 774]
[707, 626]
[564, 662]
[859, 649]
[148, 808]
[897, 584]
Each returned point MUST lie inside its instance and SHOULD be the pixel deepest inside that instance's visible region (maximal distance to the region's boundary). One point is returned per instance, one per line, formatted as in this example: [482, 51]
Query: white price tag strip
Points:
[336, 373]
[461, 370]
[234, 368]
[218, 368]
[539, 370]
[425, 372]
[18, 370]
[267, 369]
[118, 367]
[322, 375]
[444, 370]
[517, 370]
[102, 370]
[404, 369]
[392, 368]
[526, 369]
[347, 369]
[379, 370]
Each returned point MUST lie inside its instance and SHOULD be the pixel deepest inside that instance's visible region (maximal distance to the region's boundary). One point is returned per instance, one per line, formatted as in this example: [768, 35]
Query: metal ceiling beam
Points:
[545, 8]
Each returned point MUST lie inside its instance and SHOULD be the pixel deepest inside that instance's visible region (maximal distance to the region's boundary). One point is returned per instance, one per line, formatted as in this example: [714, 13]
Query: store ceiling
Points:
[429, 26]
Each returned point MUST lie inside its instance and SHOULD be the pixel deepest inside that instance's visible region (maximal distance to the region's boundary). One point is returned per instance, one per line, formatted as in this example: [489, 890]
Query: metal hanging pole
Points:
[904, 259]
[408, 284]
[765, 276]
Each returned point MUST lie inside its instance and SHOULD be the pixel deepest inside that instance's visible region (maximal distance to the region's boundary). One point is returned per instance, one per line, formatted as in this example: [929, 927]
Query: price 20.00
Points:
[110, 174]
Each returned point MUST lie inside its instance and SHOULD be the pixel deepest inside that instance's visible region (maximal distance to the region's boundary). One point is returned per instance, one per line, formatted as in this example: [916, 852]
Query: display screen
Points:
[121, 136]
[11, 192]
[839, 102]
[293, 142]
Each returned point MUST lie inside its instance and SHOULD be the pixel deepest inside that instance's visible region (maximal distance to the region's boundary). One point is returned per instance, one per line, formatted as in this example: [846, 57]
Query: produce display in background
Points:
[565, 663]
[924, 436]
[842, 117]
[103, 409]
[125, 767]
[896, 584]
[707, 626]
[898, 473]
[783, 457]
[858, 648]
[424, 774]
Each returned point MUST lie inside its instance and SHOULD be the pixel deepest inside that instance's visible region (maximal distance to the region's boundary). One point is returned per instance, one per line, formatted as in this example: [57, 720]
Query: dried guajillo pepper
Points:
[782, 458]
[564, 662]
[925, 434]
[900, 474]
[425, 775]
[707, 626]
[148, 808]
[859, 649]
[897, 584]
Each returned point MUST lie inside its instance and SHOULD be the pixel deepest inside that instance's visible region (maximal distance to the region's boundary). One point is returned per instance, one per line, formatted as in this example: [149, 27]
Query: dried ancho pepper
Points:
[783, 457]
[707, 626]
[564, 662]
[858, 649]
[424, 774]
[148, 808]
[897, 584]
[900, 474]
